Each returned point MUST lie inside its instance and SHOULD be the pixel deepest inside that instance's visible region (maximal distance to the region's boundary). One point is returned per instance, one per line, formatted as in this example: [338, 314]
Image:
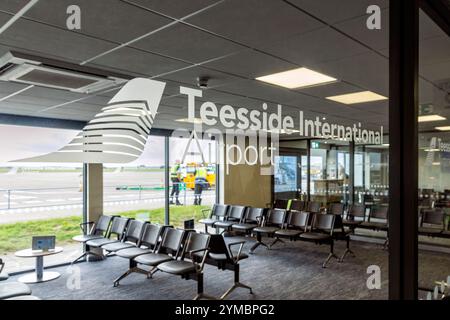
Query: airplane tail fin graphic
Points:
[119, 132]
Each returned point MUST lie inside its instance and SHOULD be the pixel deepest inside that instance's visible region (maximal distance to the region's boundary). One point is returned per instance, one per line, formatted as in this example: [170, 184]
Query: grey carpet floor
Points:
[288, 271]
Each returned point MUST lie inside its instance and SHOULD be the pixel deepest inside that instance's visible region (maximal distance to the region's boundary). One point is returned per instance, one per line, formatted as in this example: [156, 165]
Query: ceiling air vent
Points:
[30, 71]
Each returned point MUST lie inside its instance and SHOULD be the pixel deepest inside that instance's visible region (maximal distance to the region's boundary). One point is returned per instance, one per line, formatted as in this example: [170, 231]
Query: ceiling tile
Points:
[189, 77]
[12, 6]
[251, 64]
[368, 70]
[330, 89]
[375, 39]
[333, 11]
[174, 8]
[320, 45]
[254, 24]
[187, 43]
[52, 42]
[139, 62]
[111, 20]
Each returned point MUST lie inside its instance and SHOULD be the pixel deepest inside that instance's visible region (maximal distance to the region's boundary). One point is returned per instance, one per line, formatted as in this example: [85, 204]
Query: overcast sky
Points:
[18, 142]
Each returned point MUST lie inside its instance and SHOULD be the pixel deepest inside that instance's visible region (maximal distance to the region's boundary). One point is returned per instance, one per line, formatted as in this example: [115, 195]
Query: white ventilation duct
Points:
[29, 70]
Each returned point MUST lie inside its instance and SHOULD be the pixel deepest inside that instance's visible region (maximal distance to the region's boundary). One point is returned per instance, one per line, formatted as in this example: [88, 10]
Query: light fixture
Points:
[431, 117]
[445, 128]
[385, 144]
[357, 97]
[436, 163]
[282, 131]
[297, 78]
[188, 120]
[431, 150]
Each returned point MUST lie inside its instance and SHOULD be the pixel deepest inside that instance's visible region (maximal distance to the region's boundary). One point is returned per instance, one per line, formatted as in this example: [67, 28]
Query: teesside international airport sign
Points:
[260, 120]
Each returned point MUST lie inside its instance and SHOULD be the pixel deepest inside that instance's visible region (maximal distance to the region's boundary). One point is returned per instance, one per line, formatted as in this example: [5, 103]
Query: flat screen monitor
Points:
[44, 243]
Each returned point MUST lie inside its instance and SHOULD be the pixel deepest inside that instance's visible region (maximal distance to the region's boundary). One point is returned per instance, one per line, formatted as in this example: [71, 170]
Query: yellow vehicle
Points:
[188, 176]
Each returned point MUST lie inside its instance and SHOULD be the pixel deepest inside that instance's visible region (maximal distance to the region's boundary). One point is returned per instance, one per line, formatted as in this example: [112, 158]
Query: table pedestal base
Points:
[33, 278]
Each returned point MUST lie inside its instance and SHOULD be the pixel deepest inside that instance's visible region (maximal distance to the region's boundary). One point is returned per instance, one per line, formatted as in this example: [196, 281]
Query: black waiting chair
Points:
[432, 222]
[275, 221]
[356, 214]
[336, 208]
[131, 238]
[147, 244]
[13, 290]
[253, 218]
[296, 225]
[278, 204]
[217, 213]
[93, 230]
[221, 255]
[118, 228]
[297, 205]
[377, 220]
[313, 207]
[322, 232]
[187, 265]
[234, 216]
[169, 249]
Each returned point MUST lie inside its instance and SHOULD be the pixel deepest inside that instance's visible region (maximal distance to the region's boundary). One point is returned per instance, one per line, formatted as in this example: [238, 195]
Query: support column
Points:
[93, 195]
[167, 180]
[351, 178]
[403, 167]
[308, 170]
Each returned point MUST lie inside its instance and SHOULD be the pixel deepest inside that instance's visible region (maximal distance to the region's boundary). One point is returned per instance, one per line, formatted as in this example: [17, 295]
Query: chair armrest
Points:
[2, 265]
[241, 243]
[205, 210]
[205, 254]
[260, 220]
[84, 224]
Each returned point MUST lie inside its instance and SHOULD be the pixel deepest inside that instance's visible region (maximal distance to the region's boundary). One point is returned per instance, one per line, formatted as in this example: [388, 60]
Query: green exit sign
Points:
[315, 145]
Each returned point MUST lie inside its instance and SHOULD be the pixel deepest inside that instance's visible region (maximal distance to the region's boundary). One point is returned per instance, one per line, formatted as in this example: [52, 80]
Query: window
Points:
[37, 199]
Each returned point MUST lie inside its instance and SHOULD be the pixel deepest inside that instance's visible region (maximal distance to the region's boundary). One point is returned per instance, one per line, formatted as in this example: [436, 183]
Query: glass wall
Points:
[37, 199]
[433, 159]
[136, 189]
[192, 178]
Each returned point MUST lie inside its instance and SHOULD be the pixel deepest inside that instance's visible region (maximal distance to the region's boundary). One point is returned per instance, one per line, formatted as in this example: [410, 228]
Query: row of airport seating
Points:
[13, 290]
[313, 225]
[150, 248]
[432, 221]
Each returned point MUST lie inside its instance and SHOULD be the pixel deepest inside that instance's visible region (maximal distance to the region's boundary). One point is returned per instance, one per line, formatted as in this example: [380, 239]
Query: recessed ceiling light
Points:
[385, 144]
[436, 163]
[297, 78]
[188, 120]
[282, 131]
[431, 150]
[357, 97]
[431, 117]
[445, 128]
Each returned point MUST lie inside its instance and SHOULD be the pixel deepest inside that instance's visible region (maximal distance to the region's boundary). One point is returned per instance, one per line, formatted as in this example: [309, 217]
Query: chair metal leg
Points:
[84, 254]
[347, 251]
[258, 243]
[233, 287]
[200, 293]
[330, 255]
[386, 244]
[275, 241]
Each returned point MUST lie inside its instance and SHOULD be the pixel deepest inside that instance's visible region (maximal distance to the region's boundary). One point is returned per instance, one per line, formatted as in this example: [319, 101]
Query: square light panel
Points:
[445, 128]
[357, 97]
[297, 78]
[431, 117]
